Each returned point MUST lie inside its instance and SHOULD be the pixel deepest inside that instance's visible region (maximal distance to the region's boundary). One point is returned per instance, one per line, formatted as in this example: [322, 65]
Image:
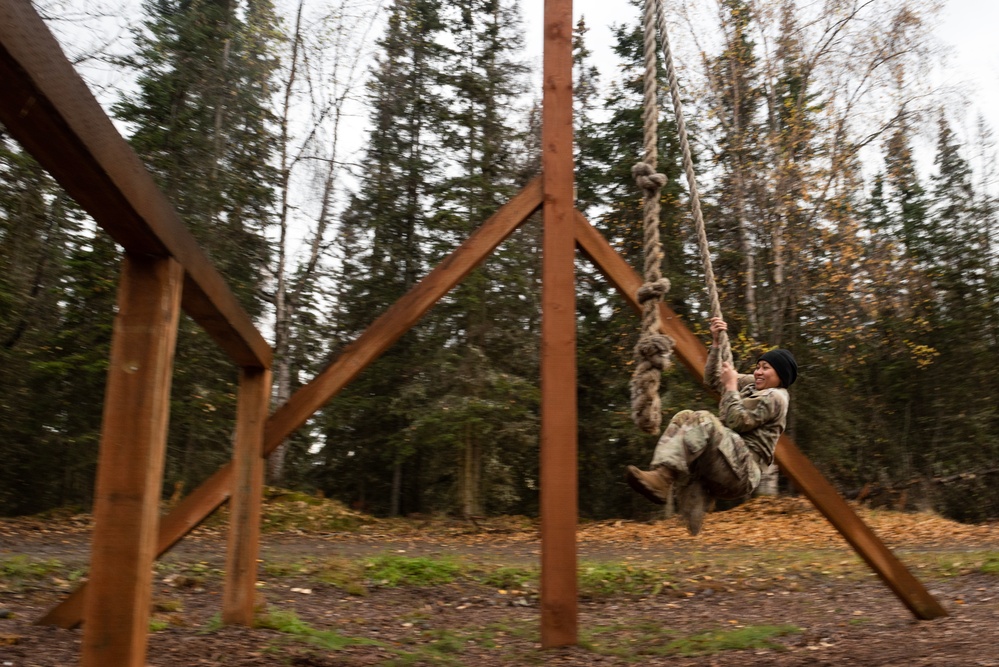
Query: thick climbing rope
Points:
[688, 166]
[652, 352]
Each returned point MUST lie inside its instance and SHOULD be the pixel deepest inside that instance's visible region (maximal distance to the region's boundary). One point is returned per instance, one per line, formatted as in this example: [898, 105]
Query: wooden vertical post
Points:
[130, 467]
[558, 338]
[247, 492]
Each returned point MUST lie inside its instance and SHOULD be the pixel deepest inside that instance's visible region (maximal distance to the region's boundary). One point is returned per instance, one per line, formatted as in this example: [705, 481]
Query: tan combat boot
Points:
[655, 484]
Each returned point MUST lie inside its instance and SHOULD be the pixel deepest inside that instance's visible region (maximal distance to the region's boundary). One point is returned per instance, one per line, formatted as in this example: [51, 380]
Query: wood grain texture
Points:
[130, 464]
[559, 488]
[239, 594]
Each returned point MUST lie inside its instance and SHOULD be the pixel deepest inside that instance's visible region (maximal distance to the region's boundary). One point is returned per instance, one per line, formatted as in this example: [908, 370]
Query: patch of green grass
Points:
[735, 639]
[443, 649]
[76, 574]
[390, 570]
[611, 578]
[288, 623]
[991, 564]
[953, 564]
[202, 569]
[158, 624]
[24, 568]
[20, 572]
[168, 605]
[213, 624]
[347, 575]
[790, 571]
[446, 645]
[286, 568]
[509, 577]
[355, 576]
[639, 641]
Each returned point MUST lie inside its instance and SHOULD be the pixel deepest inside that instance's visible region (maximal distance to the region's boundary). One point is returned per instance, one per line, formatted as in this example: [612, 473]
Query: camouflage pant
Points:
[697, 444]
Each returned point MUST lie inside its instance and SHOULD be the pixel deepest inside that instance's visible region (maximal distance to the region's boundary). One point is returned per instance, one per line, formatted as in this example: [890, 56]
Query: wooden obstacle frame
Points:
[47, 107]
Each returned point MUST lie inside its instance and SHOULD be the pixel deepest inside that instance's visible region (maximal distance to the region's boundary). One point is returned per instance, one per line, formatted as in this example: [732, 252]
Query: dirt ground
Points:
[772, 564]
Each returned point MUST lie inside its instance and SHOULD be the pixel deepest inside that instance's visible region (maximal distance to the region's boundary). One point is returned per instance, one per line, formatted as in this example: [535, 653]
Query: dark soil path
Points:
[775, 569]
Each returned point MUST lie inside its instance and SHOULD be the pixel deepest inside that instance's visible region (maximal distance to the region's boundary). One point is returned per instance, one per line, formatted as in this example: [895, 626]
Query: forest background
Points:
[851, 210]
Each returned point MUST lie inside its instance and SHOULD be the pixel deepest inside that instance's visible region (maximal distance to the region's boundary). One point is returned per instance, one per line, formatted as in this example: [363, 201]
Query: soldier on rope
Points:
[705, 456]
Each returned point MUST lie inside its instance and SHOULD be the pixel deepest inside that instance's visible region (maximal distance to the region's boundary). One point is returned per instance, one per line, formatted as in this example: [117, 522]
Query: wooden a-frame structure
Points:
[49, 110]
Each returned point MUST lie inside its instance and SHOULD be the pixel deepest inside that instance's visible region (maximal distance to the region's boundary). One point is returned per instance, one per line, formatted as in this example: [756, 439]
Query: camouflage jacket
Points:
[759, 417]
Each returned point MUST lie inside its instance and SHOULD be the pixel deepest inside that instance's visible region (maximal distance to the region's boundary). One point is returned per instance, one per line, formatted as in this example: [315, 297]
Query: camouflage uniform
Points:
[726, 453]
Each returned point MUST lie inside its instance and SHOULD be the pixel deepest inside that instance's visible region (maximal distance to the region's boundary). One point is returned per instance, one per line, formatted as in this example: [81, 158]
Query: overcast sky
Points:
[968, 27]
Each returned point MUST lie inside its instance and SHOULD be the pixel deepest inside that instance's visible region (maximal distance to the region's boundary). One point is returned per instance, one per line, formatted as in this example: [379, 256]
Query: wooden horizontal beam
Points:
[806, 477]
[48, 108]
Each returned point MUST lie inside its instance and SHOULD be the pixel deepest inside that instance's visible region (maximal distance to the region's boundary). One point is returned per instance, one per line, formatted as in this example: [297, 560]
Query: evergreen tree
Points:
[906, 200]
[492, 318]
[57, 290]
[955, 427]
[741, 196]
[201, 121]
[202, 124]
[438, 422]
[384, 245]
[793, 142]
[586, 130]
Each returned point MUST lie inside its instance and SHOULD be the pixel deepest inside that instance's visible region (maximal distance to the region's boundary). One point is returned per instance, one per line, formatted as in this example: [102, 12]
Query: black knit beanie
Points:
[783, 362]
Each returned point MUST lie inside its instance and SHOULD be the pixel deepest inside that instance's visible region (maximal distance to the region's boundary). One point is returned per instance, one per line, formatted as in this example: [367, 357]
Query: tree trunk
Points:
[745, 243]
[470, 476]
[394, 506]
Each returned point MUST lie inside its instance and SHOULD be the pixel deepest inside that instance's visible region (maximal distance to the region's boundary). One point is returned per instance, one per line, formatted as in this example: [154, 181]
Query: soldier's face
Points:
[766, 377]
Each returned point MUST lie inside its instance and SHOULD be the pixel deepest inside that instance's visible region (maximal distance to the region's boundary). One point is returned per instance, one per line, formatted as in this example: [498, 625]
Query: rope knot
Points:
[653, 291]
[647, 178]
[654, 349]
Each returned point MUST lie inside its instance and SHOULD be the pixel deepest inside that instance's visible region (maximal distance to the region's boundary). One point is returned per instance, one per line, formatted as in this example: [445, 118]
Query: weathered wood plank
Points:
[130, 464]
[559, 489]
[48, 108]
[792, 462]
[238, 597]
